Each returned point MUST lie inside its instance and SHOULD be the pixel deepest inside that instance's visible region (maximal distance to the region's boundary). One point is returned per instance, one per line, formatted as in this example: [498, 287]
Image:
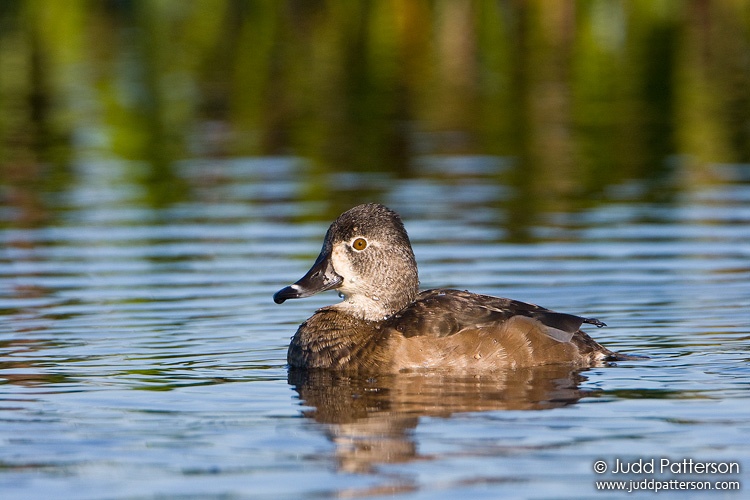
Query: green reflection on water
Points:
[582, 94]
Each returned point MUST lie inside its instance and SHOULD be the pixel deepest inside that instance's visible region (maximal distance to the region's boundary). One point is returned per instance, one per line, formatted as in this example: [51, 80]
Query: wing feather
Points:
[445, 312]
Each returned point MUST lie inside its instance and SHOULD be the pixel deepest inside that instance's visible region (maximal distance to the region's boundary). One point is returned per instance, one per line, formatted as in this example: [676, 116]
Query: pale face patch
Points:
[343, 267]
[358, 298]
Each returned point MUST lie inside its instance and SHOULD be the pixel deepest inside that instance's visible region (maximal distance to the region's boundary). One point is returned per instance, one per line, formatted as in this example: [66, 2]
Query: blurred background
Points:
[167, 165]
[558, 101]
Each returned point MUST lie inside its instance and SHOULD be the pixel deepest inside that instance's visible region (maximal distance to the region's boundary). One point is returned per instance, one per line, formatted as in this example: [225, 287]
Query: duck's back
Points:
[456, 330]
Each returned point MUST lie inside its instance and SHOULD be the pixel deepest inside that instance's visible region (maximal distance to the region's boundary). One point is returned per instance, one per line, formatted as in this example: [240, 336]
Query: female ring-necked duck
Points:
[385, 324]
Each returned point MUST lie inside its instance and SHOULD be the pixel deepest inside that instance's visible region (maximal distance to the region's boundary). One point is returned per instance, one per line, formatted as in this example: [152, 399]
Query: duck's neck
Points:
[363, 307]
[372, 307]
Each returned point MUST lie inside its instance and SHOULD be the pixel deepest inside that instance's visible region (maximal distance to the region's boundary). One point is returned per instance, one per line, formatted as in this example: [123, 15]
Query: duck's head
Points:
[367, 257]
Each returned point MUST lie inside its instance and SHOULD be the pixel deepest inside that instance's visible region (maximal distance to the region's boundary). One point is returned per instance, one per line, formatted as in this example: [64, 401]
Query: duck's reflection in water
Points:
[370, 419]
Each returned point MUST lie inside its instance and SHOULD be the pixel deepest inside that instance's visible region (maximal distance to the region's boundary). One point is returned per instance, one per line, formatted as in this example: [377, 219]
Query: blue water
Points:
[141, 355]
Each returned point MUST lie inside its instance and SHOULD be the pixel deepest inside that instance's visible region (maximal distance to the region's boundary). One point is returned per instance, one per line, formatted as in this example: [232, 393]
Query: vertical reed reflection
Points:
[581, 94]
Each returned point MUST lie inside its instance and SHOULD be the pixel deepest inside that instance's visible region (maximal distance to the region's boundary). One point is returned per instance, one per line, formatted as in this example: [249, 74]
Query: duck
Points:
[385, 324]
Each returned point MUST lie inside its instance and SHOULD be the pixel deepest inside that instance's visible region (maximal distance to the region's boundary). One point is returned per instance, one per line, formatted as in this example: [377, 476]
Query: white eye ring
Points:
[359, 244]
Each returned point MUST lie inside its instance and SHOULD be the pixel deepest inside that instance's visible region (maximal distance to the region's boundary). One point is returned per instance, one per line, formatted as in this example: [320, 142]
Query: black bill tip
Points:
[290, 292]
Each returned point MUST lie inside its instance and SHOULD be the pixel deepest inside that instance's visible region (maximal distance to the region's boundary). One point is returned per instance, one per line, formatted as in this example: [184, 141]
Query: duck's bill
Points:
[319, 278]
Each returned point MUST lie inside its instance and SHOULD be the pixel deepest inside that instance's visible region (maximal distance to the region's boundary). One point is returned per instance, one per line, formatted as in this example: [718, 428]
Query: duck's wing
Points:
[444, 312]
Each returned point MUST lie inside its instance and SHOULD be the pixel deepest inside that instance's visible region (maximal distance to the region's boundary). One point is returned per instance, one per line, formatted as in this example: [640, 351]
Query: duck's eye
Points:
[359, 244]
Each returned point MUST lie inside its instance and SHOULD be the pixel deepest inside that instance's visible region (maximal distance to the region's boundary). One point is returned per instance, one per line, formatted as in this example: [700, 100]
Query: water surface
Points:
[142, 356]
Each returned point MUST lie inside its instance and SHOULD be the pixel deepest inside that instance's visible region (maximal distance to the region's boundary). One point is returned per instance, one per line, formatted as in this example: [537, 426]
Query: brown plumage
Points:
[385, 325]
